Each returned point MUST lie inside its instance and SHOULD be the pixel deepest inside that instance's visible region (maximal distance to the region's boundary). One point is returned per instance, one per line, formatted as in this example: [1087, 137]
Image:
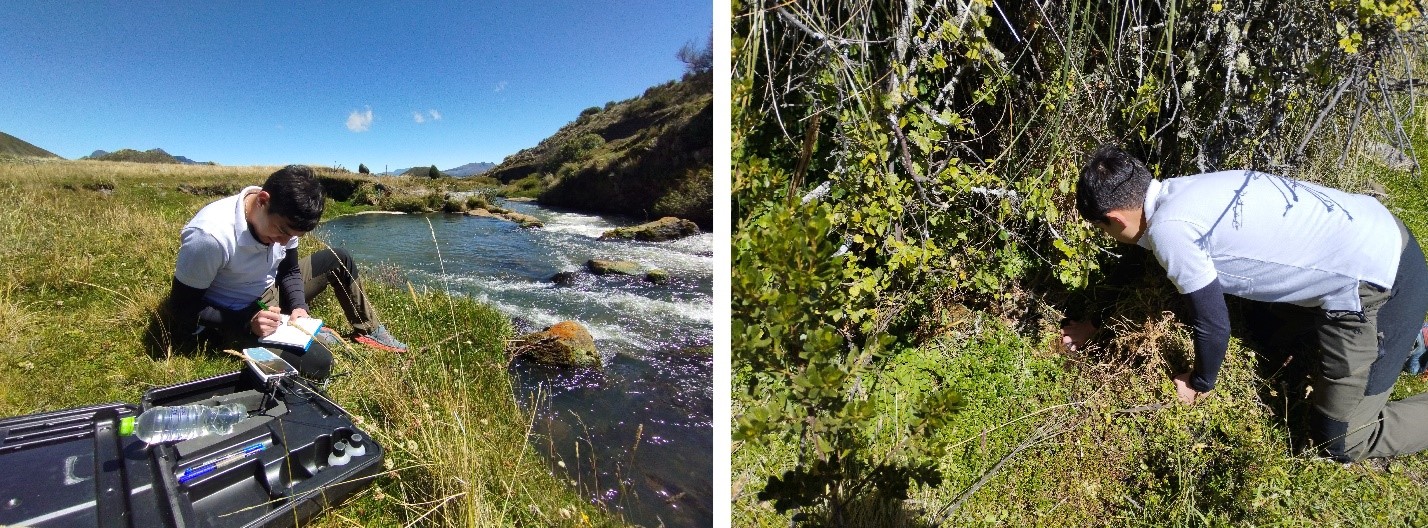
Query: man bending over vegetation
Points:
[238, 270]
[1337, 267]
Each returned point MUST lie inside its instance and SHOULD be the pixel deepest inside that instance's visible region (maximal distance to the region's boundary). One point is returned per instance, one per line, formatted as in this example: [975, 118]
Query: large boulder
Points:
[667, 228]
[566, 343]
[524, 220]
[612, 267]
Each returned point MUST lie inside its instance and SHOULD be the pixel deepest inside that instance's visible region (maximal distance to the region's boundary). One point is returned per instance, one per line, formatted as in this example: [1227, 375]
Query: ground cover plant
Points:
[88, 250]
[905, 247]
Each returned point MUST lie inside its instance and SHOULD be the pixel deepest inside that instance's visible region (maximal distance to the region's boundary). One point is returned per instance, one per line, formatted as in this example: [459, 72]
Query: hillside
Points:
[646, 157]
[13, 146]
[148, 156]
[158, 154]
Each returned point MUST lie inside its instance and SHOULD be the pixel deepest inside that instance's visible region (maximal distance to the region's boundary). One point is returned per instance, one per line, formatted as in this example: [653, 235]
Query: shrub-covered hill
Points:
[13, 146]
[147, 156]
[647, 157]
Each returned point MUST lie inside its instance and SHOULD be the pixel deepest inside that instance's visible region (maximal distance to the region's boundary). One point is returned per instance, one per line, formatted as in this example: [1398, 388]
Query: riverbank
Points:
[89, 248]
[636, 434]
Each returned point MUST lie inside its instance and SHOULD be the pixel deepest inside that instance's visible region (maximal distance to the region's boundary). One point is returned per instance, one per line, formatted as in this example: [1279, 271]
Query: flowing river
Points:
[635, 436]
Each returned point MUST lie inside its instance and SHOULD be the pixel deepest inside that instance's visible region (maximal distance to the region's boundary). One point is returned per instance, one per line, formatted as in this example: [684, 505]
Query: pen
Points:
[221, 462]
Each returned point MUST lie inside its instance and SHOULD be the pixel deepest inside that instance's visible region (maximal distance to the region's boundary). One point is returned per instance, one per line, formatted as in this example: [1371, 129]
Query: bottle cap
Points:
[126, 426]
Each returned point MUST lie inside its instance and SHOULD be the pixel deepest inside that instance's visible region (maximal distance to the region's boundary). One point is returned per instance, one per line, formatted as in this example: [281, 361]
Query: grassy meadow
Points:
[1095, 438]
[88, 250]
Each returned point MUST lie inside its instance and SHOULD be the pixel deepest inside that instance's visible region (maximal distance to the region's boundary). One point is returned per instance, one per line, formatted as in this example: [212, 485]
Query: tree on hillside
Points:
[362, 168]
[433, 173]
[696, 60]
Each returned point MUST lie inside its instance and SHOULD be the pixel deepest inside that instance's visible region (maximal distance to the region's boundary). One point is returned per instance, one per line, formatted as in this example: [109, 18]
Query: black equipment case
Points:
[74, 468]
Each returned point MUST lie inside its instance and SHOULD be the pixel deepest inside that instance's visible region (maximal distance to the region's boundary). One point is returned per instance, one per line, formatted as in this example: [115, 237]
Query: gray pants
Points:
[1360, 358]
[334, 267]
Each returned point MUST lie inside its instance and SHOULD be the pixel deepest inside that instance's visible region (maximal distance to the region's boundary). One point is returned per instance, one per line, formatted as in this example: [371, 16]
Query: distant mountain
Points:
[469, 169]
[464, 171]
[13, 146]
[148, 156]
[646, 157]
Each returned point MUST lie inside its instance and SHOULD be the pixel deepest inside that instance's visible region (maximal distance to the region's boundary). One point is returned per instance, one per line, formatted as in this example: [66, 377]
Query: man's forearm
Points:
[1210, 318]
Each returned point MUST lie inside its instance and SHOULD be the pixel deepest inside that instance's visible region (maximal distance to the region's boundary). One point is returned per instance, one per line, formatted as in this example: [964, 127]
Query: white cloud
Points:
[416, 116]
[435, 116]
[359, 121]
[501, 86]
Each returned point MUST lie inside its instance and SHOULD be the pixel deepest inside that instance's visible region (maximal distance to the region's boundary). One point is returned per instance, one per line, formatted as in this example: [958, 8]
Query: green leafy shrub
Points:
[934, 147]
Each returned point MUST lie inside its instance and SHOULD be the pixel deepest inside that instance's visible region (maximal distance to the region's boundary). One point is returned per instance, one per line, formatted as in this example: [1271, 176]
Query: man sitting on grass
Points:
[239, 254]
[1336, 268]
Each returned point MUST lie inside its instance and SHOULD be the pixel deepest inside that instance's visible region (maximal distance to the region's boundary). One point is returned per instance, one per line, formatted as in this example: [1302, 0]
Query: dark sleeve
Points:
[1211, 321]
[189, 311]
[290, 291]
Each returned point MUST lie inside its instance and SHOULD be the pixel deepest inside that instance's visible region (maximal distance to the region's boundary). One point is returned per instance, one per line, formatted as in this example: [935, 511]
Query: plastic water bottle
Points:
[182, 422]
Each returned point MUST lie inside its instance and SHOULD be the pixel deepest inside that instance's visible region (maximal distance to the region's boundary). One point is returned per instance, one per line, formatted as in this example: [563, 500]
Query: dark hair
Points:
[1111, 179]
[295, 194]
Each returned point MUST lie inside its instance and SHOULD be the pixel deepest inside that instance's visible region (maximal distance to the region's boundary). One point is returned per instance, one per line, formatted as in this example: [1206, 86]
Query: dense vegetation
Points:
[75, 330]
[906, 245]
[646, 157]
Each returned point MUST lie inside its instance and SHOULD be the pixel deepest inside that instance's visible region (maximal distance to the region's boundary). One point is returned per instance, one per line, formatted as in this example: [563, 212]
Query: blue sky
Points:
[270, 83]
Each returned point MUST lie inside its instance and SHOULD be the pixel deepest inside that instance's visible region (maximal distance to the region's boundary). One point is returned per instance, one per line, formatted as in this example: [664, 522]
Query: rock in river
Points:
[617, 267]
[667, 228]
[566, 343]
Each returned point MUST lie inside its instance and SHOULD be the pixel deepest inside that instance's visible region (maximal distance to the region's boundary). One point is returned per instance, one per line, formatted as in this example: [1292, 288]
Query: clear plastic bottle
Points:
[182, 422]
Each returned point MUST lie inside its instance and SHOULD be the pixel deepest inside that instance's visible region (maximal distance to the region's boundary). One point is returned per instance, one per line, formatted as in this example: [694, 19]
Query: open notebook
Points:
[296, 333]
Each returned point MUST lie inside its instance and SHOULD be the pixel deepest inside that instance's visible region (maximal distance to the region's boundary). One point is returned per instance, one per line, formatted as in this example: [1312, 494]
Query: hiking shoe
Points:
[328, 337]
[1416, 363]
[381, 339]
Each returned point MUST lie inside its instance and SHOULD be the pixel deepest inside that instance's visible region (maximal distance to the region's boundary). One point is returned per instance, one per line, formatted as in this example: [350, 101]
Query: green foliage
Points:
[527, 187]
[574, 151]
[433, 173]
[362, 169]
[940, 144]
[424, 202]
[790, 307]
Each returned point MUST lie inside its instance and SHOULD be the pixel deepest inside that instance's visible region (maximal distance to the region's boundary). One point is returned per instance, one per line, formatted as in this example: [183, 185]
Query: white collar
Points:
[1152, 193]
